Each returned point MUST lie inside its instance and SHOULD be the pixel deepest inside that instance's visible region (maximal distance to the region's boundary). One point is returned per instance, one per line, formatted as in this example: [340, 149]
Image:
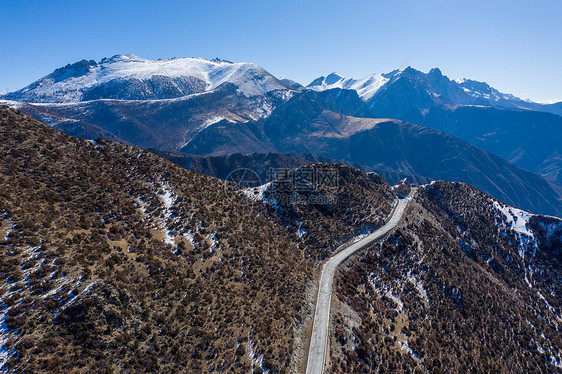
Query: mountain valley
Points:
[215, 108]
[116, 259]
[177, 215]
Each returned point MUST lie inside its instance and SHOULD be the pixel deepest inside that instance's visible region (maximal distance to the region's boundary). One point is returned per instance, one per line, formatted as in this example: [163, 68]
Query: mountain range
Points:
[525, 133]
[216, 107]
[432, 87]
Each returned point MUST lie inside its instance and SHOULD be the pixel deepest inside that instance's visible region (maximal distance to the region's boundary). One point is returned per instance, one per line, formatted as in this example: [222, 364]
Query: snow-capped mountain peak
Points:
[449, 92]
[135, 78]
[366, 87]
[127, 57]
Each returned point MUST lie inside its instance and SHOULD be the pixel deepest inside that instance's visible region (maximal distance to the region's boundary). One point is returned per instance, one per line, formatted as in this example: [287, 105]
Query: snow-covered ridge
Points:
[70, 83]
[515, 219]
[483, 90]
[459, 91]
[366, 87]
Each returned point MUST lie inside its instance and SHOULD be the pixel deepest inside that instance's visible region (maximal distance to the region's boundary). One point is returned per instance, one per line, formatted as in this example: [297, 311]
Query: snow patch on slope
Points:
[4, 349]
[515, 219]
[418, 285]
[12, 104]
[168, 201]
[256, 193]
[254, 356]
[383, 290]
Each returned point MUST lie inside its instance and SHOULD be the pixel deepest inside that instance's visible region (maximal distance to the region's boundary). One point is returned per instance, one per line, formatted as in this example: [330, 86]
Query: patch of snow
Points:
[211, 121]
[61, 283]
[540, 295]
[302, 233]
[73, 300]
[190, 238]
[540, 350]
[556, 361]
[213, 240]
[428, 184]
[255, 357]
[256, 193]
[517, 220]
[168, 200]
[8, 229]
[12, 104]
[358, 238]
[405, 347]
[4, 349]
[142, 205]
[418, 285]
[380, 288]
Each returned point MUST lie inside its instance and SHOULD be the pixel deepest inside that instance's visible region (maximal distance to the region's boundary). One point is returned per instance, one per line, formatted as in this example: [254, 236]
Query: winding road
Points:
[318, 352]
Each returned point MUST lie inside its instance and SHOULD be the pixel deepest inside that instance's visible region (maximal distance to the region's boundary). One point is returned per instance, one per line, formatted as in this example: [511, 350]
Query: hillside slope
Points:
[114, 258]
[465, 284]
[117, 259]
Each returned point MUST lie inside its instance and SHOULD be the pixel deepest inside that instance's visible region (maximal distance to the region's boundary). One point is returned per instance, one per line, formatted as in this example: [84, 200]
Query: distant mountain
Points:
[529, 139]
[166, 124]
[426, 89]
[160, 103]
[514, 129]
[129, 77]
[366, 88]
[315, 122]
[291, 83]
[227, 107]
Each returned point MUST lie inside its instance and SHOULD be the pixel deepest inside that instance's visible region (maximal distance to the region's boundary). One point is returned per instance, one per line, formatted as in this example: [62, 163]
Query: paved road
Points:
[318, 351]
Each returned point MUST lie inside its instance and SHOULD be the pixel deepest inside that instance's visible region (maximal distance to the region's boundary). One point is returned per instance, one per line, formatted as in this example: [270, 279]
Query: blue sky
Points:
[514, 45]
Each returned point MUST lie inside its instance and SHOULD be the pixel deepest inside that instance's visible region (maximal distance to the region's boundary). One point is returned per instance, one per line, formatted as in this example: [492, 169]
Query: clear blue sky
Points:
[514, 45]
